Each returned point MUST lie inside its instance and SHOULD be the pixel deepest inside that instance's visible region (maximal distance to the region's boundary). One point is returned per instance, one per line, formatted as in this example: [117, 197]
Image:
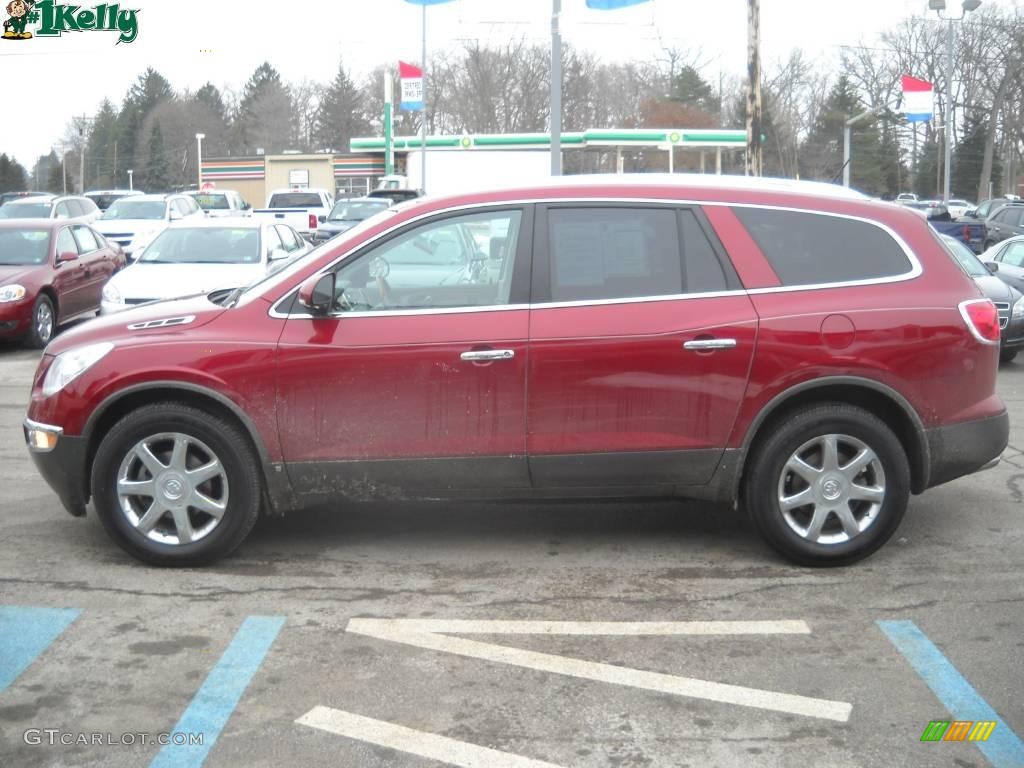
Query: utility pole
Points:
[754, 149]
[113, 179]
[82, 138]
[556, 88]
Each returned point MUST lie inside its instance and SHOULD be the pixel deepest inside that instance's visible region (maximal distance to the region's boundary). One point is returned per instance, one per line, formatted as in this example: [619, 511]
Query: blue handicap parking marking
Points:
[25, 632]
[220, 693]
[1004, 749]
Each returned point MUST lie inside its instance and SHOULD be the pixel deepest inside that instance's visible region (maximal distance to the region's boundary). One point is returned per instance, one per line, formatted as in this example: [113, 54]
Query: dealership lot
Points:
[626, 634]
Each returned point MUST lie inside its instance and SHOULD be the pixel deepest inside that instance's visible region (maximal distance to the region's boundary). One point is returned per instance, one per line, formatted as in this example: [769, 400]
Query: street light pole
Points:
[556, 88]
[130, 179]
[199, 160]
[939, 6]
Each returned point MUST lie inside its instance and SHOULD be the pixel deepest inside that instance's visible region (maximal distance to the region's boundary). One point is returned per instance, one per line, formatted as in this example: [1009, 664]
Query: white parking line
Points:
[414, 742]
[424, 634]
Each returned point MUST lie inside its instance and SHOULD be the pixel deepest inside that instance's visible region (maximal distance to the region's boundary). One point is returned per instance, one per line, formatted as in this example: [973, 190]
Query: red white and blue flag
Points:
[411, 78]
[918, 99]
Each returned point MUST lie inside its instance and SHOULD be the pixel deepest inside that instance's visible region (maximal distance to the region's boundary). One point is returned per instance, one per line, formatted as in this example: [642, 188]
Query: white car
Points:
[221, 202]
[202, 256]
[133, 222]
[958, 207]
[300, 209]
[51, 207]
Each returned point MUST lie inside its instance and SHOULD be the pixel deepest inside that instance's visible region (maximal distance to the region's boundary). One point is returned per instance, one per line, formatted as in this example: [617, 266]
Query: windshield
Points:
[104, 201]
[295, 200]
[355, 211]
[971, 263]
[24, 211]
[24, 246]
[212, 202]
[205, 246]
[136, 209]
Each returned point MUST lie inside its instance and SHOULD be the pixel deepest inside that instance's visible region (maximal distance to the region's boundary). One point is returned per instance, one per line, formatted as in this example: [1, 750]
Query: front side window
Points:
[66, 242]
[461, 261]
[1013, 255]
[612, 253]
[86, 241]
[806, 248]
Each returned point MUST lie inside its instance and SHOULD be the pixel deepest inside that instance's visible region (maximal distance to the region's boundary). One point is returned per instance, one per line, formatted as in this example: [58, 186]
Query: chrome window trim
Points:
[916, 270]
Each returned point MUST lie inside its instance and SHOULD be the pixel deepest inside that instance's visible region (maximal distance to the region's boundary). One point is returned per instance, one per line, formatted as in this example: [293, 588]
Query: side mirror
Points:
[992, 266]
[276, 254]
[247, 207]
[321, 219]
[317, 294]
[175, 216]
[66, 256]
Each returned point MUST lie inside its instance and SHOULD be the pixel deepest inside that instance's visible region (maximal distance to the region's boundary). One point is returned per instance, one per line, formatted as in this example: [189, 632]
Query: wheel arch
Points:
[873, 396]
[276, 488]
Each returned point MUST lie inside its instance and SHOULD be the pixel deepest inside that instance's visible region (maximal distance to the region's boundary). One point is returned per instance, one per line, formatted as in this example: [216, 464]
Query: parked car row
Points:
[53, 272]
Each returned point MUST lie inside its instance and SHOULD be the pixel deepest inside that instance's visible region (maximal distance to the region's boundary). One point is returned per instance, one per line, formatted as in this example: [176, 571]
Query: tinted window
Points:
[1011, 216]
[295, 200]
[612, 253]
[462, 261]
[811, 248]
[86, 241]
[702, 269]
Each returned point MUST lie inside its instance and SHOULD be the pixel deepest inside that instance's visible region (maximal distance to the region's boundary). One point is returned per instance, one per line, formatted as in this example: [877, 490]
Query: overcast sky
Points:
[46, 80]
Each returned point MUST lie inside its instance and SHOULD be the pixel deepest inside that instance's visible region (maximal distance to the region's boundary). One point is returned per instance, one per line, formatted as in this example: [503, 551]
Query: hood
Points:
[115, 327]
[334, 227]
[169, 281]
[13, 273]
[116, 226]
[994, 288]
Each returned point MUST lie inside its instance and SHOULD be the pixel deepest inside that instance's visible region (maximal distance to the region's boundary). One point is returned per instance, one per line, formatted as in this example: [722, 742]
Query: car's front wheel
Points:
[1007, 355]
[44, 322]
[175, 485]
[828, 485]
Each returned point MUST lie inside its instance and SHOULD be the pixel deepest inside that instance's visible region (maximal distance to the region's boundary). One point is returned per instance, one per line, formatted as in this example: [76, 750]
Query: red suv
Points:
[815, 356]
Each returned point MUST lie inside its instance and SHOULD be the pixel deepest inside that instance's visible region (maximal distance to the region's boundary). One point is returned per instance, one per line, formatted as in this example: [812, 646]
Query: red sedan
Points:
[51, 272]
[809, 353]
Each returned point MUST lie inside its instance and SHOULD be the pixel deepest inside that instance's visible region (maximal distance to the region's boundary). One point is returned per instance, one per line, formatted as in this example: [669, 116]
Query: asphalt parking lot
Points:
[625, 634]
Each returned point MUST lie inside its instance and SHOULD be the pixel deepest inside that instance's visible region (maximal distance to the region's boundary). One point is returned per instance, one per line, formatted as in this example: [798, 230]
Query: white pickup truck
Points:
[300, 209]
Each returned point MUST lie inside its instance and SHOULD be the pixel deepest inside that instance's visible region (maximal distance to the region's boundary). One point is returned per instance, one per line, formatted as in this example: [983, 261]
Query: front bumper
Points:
[62, 467]
[960, 449]
[1012, 335]
[15, 318]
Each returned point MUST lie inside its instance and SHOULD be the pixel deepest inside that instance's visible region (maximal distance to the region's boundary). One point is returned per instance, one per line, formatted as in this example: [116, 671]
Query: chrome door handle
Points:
[480, 355]
[701, 345]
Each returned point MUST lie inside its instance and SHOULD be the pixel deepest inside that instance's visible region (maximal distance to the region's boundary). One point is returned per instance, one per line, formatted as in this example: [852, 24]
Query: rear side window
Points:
[618, 253]
[812, 248]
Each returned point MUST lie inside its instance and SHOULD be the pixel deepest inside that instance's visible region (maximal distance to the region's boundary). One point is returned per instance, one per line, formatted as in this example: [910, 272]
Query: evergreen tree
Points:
[822, 152]
[157, 176]
[691, 89]
[12, 175]
[928, 183]
[265, 113]
[146, 93]
[341, 115]
[967, 160]
[100, 148]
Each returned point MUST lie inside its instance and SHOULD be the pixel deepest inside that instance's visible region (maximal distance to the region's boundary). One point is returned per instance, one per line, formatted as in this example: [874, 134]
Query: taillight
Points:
[312, 221]
[966, 232]
[982, 319]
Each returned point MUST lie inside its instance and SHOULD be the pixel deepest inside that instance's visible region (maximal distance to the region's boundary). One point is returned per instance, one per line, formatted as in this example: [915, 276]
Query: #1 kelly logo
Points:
[55, 19]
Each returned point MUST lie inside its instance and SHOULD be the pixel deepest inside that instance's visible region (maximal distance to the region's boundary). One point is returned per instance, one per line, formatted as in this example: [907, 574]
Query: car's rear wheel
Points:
[1007, 355]
[44, 323]
[828, 485]
[175, 485]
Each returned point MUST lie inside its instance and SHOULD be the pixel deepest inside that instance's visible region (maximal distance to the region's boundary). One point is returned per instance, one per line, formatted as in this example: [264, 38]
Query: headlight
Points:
[12, 293]
[1018, 308]
[112, 295]
[71, 364]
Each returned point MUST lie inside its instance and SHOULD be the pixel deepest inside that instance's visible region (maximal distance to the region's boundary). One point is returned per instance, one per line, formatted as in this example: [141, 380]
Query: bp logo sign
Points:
[50, 19]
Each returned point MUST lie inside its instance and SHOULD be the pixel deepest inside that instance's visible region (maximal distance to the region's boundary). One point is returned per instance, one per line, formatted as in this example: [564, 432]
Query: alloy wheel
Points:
[831, 489]
[172, 488]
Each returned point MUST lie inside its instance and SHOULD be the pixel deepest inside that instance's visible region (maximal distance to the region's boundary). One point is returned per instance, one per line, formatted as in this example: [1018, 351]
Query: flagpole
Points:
[423, 126]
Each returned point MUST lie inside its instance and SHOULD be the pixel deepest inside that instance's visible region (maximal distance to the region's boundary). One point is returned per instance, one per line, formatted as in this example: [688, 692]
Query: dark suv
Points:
[809, 353]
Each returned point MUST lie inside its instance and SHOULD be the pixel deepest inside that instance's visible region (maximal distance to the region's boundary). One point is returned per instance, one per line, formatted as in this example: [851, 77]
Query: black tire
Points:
[1007, 355]
[238, 484]
[767, 478]
[37, 337]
